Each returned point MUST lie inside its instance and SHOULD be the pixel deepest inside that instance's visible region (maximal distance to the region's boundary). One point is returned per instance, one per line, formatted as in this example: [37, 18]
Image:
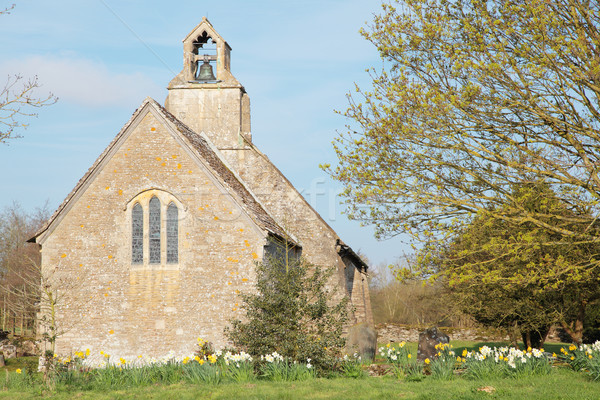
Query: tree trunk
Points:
[513, 335]
[575, 328]
[535, 339]
[526, 339]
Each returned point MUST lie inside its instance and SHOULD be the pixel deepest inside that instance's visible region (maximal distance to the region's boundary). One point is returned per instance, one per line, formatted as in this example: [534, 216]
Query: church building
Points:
[155, 243]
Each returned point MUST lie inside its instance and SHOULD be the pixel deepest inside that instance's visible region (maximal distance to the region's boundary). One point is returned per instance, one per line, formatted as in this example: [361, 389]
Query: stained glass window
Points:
[137, 235]
[154, 234]
[172, 231]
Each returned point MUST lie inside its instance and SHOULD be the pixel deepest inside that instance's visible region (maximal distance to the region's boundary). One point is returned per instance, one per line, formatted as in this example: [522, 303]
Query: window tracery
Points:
[137, 234]
[154, 230]
[172, 233]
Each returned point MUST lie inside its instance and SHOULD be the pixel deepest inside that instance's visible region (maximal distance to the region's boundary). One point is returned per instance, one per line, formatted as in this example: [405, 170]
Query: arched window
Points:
[172, 233]
[154, 227]
[137, 234]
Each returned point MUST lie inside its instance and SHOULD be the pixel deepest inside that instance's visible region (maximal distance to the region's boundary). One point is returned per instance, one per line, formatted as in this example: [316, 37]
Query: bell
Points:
[205, 74]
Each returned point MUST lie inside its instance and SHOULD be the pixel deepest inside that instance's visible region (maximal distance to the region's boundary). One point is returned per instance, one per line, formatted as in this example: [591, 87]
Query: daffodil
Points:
[18, 371]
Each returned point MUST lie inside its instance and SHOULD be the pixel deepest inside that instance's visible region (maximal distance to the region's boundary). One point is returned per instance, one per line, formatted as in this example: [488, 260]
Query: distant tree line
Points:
[20, 278]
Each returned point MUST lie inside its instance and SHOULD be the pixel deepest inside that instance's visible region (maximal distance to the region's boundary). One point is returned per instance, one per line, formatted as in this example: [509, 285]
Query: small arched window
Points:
[137, 234]
[172, 233]
[154, 228]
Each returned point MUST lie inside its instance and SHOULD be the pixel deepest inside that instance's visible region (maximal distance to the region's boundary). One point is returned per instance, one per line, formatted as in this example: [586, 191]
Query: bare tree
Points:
[19, 100]
[19, 265]
[29, 294]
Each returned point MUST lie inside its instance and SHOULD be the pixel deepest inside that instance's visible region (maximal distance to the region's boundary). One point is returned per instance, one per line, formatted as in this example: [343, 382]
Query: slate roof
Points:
[206, 152]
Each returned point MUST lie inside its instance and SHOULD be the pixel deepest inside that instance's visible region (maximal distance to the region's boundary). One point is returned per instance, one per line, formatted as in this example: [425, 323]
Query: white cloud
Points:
[83, 81]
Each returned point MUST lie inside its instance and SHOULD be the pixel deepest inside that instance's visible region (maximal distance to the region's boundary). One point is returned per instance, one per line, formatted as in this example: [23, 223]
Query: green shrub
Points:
[293, 313]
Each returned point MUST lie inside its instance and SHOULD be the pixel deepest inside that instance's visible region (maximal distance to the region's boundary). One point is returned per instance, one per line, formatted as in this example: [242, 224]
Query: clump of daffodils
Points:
[395, 354]
[444, 349]
[237, 358]
[274, 357]
[585, 357]
[504, 360]
[511, 356]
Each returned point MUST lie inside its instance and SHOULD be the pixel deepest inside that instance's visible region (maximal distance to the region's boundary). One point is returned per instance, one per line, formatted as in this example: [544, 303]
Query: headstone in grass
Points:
[28, 348]
[428, 339]
[362, 339]
[9, 351]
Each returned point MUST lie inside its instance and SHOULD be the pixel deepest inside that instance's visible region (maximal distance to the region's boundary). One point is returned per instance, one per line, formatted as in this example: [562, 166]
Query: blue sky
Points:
[296, 59]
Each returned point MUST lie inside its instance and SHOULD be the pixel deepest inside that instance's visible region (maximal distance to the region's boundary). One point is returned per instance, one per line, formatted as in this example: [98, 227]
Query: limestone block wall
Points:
[126, 309]
[217, 108]
[300, 219]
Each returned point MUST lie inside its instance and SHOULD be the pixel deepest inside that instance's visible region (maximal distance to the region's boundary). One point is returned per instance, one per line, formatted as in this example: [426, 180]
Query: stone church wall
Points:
[300, 219]
[115, 306]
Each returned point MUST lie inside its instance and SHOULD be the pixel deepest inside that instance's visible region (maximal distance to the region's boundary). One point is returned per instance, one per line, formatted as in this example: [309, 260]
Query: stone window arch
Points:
[154, 218]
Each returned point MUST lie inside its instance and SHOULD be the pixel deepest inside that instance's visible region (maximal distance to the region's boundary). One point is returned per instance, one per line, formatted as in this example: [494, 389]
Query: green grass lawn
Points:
[561, 383]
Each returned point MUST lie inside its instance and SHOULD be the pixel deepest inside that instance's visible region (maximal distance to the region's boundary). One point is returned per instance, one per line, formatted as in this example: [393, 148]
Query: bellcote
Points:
[202, 44]
[218, 104]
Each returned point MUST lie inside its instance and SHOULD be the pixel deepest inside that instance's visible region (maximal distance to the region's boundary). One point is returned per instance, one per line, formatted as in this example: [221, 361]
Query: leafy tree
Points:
[512, 276]
[18, 100]
[474, 98]
[294, 313]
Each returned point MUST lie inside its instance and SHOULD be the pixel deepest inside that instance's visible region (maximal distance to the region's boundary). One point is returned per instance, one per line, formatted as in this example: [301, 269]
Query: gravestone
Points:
[29, 348]
[428, 339]
[9, 351]
[362, 339]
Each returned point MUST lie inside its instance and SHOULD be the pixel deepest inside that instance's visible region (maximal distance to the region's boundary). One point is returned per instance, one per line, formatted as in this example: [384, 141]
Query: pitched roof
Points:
[346, 251]
[206, 152]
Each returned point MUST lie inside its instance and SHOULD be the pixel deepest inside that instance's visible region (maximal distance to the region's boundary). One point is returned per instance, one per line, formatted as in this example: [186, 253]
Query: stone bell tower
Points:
[217, 105]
